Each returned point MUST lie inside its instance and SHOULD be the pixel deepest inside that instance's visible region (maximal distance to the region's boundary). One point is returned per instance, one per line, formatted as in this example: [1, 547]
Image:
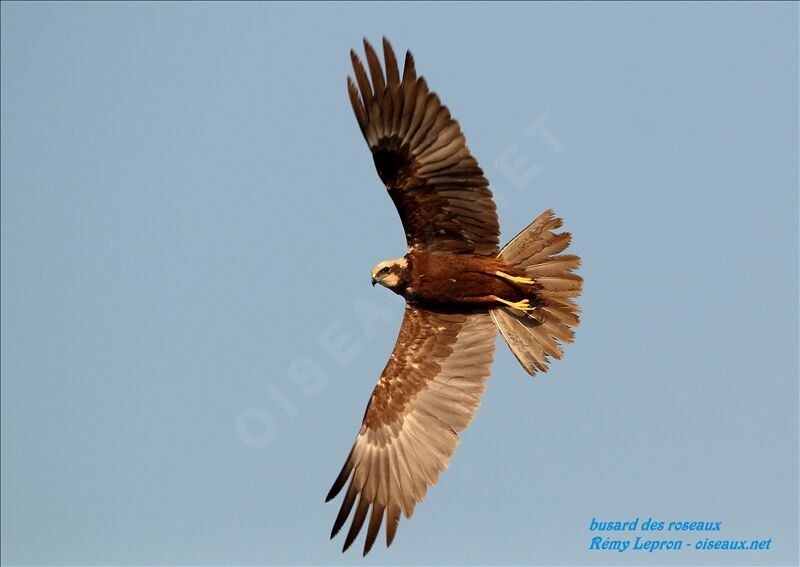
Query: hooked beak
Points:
[373, 280]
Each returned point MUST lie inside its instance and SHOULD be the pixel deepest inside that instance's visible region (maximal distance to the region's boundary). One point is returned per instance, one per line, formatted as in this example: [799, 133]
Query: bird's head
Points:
[390, 274]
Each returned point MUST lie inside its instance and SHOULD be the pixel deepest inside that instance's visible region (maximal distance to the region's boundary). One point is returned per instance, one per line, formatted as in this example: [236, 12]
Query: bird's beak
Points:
[373, 280]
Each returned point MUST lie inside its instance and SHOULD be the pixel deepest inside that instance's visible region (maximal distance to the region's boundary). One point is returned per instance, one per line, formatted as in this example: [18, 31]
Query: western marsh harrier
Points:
[459, 287]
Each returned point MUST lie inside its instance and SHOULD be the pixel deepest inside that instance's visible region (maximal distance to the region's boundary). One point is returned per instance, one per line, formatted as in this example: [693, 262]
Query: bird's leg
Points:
[514, 279]
[523, 305]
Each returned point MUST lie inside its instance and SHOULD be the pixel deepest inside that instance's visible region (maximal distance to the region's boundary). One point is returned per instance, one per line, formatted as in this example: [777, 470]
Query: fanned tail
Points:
[534, 336]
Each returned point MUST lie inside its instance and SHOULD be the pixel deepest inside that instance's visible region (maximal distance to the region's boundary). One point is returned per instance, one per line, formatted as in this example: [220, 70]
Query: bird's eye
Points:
[384, 271]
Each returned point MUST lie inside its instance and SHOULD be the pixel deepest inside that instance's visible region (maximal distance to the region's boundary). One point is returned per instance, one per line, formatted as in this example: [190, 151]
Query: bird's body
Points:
[460, 288]
[440, 280]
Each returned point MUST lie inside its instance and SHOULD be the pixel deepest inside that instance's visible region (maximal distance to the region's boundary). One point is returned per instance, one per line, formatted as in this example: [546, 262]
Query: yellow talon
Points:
[514, 279]
[523, 305]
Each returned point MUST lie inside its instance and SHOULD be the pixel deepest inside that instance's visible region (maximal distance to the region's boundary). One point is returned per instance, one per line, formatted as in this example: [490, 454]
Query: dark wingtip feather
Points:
[375, 520]
[333, 491]
[344, 511]
[392, 72]
[392, 521]
[358, 521]
[342, 478]
[375, 71]
[409, 71]
[368, 48]
[355, 59]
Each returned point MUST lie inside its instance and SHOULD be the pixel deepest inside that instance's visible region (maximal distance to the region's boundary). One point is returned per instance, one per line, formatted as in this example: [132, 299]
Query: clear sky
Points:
[189, 336]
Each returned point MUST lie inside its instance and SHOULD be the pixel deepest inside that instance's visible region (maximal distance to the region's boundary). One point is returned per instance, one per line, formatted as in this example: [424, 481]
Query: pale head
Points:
[390, 274]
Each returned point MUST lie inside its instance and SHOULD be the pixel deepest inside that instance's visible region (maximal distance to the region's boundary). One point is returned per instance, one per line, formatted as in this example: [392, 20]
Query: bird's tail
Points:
[535, 335]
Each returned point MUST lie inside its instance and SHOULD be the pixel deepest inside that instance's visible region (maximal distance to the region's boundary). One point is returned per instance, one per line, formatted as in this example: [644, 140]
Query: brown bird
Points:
[459, 287]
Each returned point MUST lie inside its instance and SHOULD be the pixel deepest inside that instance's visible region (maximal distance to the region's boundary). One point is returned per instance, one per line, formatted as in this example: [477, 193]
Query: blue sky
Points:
[189, 337]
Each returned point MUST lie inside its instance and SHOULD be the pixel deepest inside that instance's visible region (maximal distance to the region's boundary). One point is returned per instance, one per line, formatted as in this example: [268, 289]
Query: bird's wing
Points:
[429, 391]
[421, 155]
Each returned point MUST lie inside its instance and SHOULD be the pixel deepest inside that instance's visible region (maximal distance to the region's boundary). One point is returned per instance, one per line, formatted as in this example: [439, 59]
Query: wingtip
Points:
[368, 546]
[334, 490]
[331, 494]
[409, 71]
[391, 530]
[346, 545]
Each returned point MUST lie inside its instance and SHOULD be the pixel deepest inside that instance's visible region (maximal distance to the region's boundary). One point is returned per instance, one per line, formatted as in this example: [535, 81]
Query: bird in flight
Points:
[459, 287]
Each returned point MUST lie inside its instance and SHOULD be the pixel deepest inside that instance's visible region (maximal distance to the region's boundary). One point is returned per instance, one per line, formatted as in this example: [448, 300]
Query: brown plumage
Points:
[459, 288]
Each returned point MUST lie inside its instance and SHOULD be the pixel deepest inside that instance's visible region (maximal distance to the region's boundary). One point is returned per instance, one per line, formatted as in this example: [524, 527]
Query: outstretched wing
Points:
[421, 156]
[429, 391]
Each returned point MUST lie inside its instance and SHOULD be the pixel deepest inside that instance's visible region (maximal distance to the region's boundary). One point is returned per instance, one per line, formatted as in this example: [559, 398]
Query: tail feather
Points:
[536, 335]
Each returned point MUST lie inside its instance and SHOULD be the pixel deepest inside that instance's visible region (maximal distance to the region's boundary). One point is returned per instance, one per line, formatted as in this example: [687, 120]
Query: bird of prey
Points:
[459, 287]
